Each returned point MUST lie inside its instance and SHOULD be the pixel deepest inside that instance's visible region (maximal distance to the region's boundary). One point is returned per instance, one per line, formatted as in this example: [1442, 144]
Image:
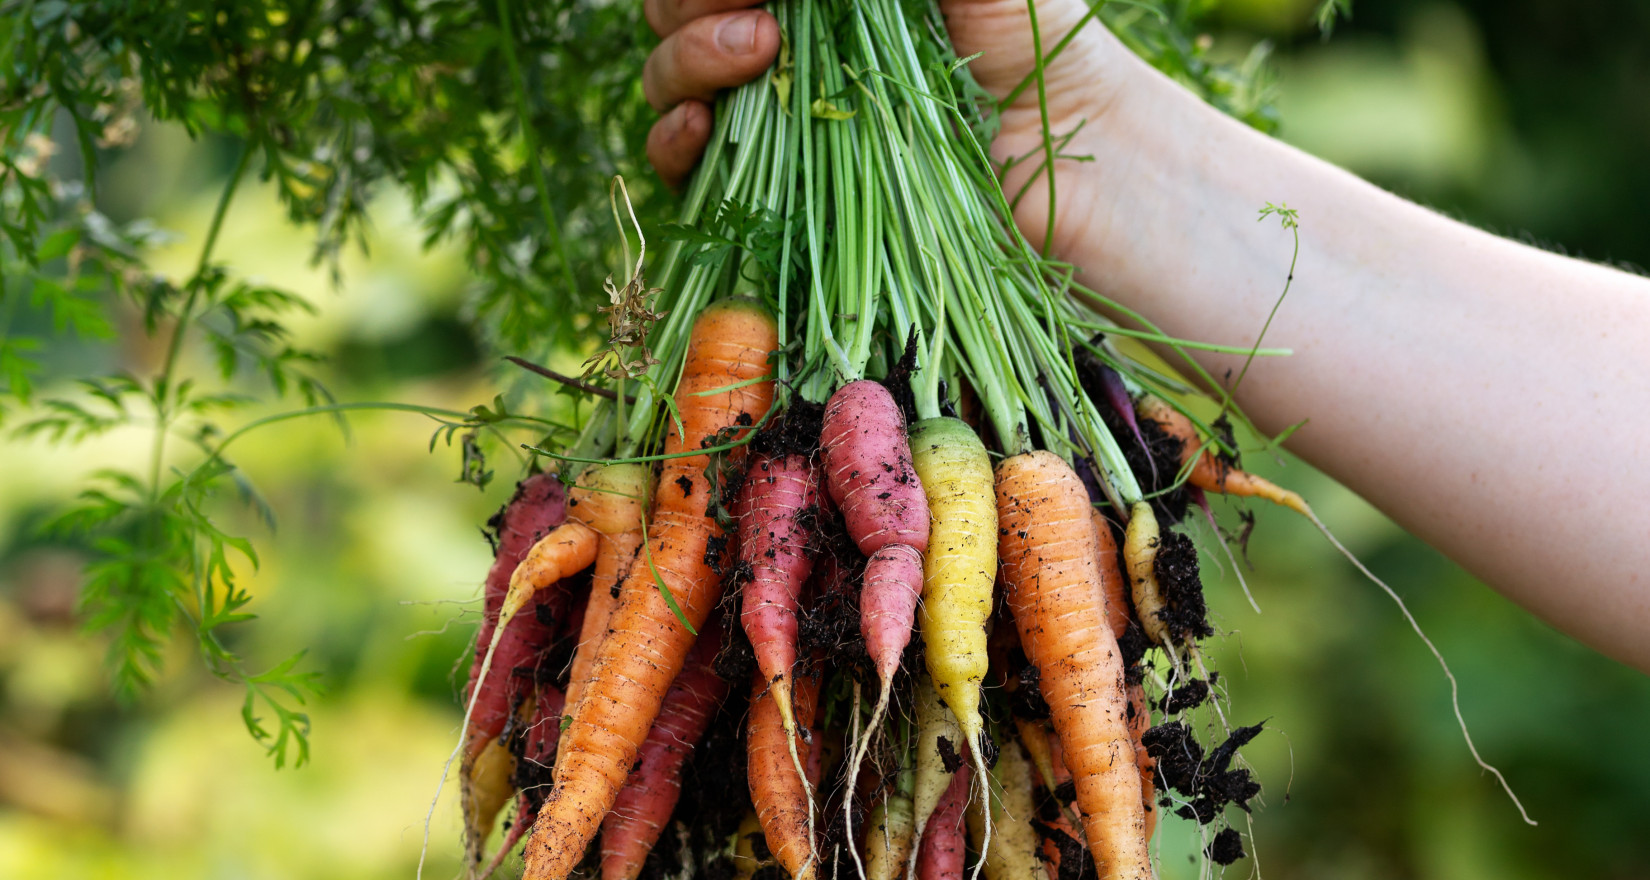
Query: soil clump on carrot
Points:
[1188, 695]
[1026, 701]
[1177, 576]
[901, 379]
[1206, 781]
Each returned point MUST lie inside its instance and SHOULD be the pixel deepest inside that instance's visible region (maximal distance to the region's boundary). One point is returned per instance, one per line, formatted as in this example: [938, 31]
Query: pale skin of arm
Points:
[1493, 399]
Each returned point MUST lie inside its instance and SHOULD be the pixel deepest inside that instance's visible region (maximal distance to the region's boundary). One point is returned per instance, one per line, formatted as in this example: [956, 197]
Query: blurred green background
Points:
[1529, 118]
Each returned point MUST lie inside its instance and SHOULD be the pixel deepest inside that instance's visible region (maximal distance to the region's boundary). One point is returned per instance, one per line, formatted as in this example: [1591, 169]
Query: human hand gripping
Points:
[714, 44]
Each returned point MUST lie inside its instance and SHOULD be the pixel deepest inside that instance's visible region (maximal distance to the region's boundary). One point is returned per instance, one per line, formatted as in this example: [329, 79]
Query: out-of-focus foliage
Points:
[453, 103]
[1525, 117]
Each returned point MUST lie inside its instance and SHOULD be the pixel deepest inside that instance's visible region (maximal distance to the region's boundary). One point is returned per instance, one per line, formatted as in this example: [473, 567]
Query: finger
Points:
[666, 16]
[677, 140]
[709, 54]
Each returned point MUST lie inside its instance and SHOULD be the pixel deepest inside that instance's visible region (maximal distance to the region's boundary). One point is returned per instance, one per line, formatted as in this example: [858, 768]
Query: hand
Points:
[715, 44]
[708, 45]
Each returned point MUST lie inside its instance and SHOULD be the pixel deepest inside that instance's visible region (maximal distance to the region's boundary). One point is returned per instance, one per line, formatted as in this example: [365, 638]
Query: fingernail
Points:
[738, 34]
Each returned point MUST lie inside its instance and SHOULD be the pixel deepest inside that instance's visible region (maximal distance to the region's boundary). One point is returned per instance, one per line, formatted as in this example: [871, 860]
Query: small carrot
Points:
[1140, 721]
[612, 499]
[725, 385]
[1053, 590]
[782, 799]
[1112, 583]
[537, 507]
[940, 852]
[1117, 617]
[1210, 472]
[939, 748]
[775, 501]
[1140, 544]
[745, 862]
[1011, 853]
[870, 475]
[889, 834]
[1034, 739]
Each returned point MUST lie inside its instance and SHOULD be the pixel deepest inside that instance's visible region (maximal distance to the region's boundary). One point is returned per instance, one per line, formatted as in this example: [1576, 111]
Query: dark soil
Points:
[1154, 467]
[1188, 696]
[1133, 646]
[1207, 781]
[1075, 861]
[795, 432]
[1182, 588]
[898, 380]
[1026, 700]
[1227, 847]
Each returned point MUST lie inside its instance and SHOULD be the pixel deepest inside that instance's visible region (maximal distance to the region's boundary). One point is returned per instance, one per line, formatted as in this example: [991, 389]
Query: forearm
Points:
[1492, 398]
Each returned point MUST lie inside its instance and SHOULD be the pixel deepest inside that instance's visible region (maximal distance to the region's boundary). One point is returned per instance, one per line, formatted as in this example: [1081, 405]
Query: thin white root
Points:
[984, 777]
[1454, 686]
[1214, 700]
[463, 729]
[801, 774]
[862, 742]
[1232, 558]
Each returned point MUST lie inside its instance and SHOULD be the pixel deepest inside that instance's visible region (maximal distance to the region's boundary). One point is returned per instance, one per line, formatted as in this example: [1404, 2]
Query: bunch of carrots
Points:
[867, 565]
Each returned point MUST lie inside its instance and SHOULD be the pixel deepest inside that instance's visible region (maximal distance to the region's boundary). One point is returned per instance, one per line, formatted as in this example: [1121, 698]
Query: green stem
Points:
[163, 382]
[1054, 53]
[1231, 392]
[1048, 132]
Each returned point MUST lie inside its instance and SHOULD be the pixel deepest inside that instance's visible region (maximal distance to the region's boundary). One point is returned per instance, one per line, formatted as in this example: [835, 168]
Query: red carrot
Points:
[775, 503]
[537, 507]
[649, 796]
[942, 851]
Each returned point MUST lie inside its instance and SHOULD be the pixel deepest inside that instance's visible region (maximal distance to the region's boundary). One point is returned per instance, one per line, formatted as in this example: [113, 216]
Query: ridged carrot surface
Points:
[1053, 589]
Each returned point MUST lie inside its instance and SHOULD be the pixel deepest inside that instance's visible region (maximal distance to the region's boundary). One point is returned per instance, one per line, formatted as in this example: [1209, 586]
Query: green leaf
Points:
[823, 109]
[57, 244]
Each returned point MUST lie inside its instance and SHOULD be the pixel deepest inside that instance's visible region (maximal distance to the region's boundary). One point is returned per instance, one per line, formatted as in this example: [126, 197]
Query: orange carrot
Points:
[725, 384]
[1115, 587]
[780, 797]
[1140, 721]
[611, 499]
[1210, 472]
[1112, 583]
[1059, 836]
[1047, 547]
